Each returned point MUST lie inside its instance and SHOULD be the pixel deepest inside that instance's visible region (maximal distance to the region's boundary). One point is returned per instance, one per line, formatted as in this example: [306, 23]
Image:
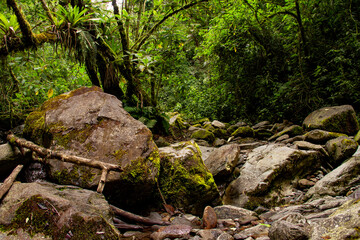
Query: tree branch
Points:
[142, 40]
[28, 36]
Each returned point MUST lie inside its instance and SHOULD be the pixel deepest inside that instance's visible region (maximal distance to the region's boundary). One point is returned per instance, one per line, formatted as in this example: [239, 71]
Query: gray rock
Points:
[342, 224]
[217, 124]
[310, 146]
[269, 167]
[262, 125]
[283, 230]
[340, 149]
[219, 142]
[232, 212]
[209, 234]
[225, 236]
[341, 119]
[56, 209]
[222, 161]
[254, 232]
[339, 181]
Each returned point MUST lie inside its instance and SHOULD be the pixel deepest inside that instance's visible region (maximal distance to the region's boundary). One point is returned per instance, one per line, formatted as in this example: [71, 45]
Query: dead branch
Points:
[122, 225]
[4, 188]
[47, 153]
[135, 217]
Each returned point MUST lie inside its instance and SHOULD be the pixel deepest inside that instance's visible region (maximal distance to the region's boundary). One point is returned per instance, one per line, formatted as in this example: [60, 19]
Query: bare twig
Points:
[4, 188]
[135, 217]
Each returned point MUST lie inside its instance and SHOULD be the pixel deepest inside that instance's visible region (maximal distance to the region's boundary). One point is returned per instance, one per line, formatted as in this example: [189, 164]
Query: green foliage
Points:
[8, 25]
[158, 122]
[27, 80]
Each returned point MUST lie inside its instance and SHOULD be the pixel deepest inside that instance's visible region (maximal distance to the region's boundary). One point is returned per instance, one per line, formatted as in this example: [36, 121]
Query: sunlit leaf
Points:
[50, 93]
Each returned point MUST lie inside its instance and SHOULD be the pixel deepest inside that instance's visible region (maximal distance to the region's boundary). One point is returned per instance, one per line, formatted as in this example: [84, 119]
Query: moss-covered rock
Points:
[340, 119]
[184, 180]
[204, 135]
[92, 124]
[220, 133]
[245, 131]
[292, 130]
[55, 211]
[321, 136]
[177, 126]
[340, 149]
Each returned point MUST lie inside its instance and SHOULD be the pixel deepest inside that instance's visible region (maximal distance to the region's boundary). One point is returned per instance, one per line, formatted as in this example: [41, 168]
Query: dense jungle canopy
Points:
[229, 60]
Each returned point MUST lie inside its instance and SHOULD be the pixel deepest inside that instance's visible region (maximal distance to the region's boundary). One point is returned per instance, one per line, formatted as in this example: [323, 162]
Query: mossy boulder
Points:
[220, 133]
[55, 210]
[92, 124]
[341, 119]
[184, 180]
[245, 131]
[292, 130]
[178, 125]
[203, 135]
[340, 149]
[321, 136]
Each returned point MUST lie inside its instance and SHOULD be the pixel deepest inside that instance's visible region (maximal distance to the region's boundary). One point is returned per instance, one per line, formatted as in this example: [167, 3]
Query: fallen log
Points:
[4, 188]
[47, 153]
[136, 218]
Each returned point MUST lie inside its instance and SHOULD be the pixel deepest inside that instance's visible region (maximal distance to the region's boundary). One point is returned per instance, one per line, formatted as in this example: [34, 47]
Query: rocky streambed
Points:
[212, 181]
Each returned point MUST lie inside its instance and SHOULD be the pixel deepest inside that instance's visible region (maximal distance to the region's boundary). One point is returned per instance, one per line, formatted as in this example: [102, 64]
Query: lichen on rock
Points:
[184, 180]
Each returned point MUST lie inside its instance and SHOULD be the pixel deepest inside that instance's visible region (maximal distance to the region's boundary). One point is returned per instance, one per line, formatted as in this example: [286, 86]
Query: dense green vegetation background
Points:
[233, 60]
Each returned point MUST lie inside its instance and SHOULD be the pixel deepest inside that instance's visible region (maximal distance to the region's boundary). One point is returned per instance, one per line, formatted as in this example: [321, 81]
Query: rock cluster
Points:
[266, 181]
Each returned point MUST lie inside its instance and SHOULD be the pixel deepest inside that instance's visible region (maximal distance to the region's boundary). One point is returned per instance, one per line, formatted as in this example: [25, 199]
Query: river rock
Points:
[56, 210]
[242, 215]
[244, 131]
[184, 180]
[340, 149]
[92, 124]
[339, 181]
[342, 224]
[203, 134]
[283, 230]
[292, 130]
[217, 124]
[222, 161]
[267, 175]
[318, 136]
[209, 219]
[341, 119]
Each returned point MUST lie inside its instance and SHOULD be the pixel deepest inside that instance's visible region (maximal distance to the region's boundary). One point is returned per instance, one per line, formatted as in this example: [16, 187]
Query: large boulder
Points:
[267, 175]
[57, 211]
[339, 181]
[92, 124]
[184, 180]
[341, 119]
